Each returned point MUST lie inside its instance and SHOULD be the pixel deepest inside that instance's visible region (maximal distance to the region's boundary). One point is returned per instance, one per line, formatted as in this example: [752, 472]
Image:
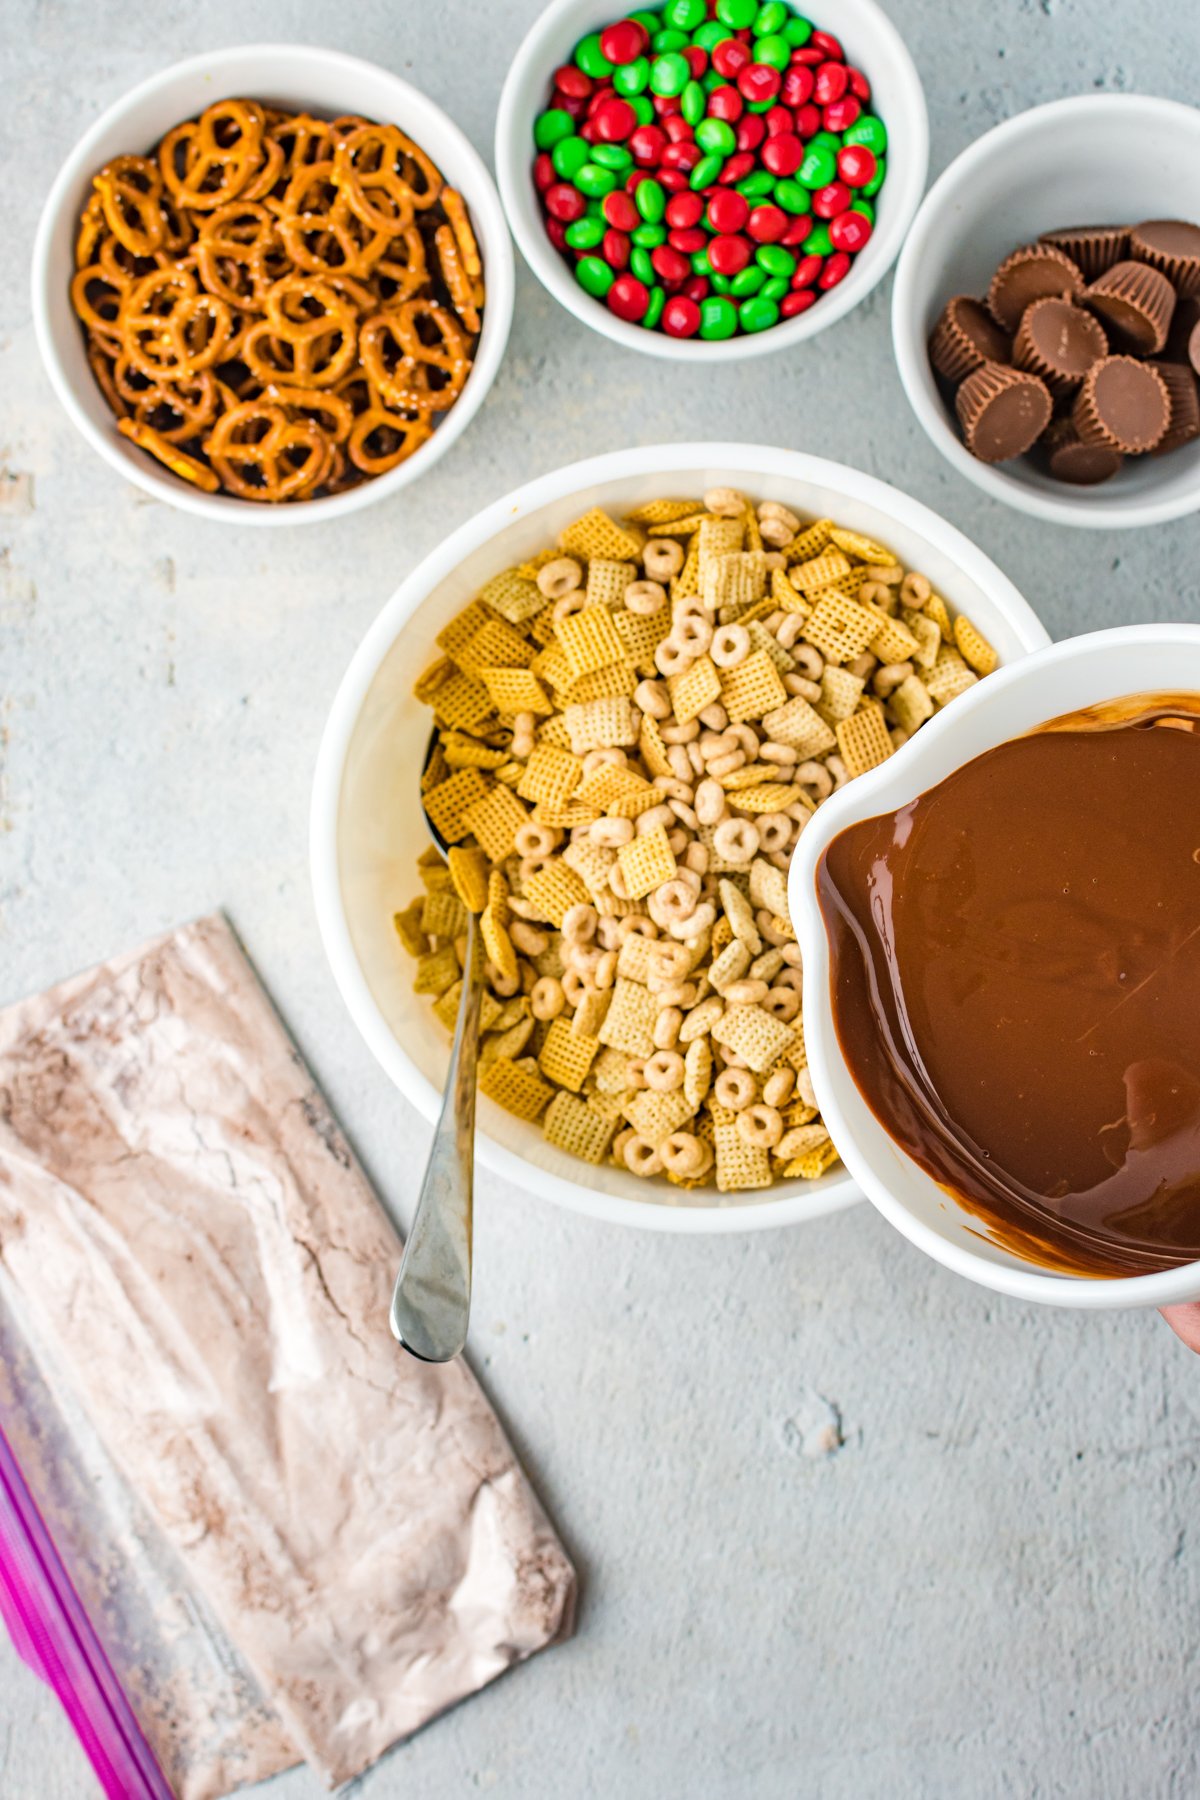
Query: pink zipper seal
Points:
[52, 1634]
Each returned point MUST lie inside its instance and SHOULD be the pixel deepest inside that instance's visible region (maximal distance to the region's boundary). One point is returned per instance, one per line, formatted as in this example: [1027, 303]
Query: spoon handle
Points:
[431, 1303]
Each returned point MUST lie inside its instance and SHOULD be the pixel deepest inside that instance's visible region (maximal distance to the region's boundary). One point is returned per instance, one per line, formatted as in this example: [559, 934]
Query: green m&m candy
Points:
[747, 281]
[797, 32]
[685, 15]
[569, 157]
[693, 103]
[669, 74]
[650, 199]
[612, 156]
[721, 284]
[668, 40]
[641, 266]
[649, 236]
[756, 186]
[818, 242]
[738, 15]
[775, 259]
[590, 57]
[631, 78]
[551, 127]
[716, 138]
[643, 110]
[653, 312]
[585, 234]
[718, 316]
[706, 172]
[819, 167]
[757, 314]
[774, 50]
[594, 275]
[876, 182]
[869, 131]
[710, 35]
[791, 196]
[595, 181]
[770, 19]
[776, 288]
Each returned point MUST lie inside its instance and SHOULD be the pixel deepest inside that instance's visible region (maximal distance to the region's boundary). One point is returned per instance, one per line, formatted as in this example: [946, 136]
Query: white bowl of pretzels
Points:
[231, 320]
[367, 833]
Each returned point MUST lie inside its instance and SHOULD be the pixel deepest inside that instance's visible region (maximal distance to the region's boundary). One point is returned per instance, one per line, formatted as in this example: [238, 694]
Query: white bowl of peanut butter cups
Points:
[299, 79]
[366, 826]
[1101, 668]
[1093, 160]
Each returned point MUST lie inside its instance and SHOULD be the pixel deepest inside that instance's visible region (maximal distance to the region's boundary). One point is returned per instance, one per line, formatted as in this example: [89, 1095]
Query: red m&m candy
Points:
[628, 298]
[623, 42]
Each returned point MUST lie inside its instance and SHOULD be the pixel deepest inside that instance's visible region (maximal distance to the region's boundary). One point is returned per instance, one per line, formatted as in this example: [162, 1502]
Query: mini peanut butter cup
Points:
[1136, 301]
[1092, 248]
[1172, 246]
[1002, 411]
[1058, 341]
[1183, 401]
[1029, 274]
[1122, 404]
[1068, 458]
[1183, 339]
[965, 336]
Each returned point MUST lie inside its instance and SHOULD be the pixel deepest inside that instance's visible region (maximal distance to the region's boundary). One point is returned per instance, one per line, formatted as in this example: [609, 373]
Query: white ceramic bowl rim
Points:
[1093, 507]
[875, 42]
[284, 67]
[883, 790]
[743, 460]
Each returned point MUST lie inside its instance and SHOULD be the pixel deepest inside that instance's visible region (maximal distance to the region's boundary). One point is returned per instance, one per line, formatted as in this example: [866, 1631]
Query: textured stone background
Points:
[991, 1587]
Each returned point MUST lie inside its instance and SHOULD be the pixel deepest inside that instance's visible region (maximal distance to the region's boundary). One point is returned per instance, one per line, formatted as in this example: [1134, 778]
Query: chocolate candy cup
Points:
[1029, 274]
[1092, 248]
[1183, 421]
[1183, 339]
[1172, 246]
[1137, 302]
[965, 336]
[1058, 341]
[1068, 458]
[1122, 404]
[1002, 411]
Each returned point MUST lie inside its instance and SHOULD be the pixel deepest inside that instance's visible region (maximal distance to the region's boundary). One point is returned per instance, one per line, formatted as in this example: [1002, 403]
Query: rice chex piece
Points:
[928, 635]
[590, 640]
[646, 862]
[841, 628]
[615, 682]
[800, 727]
[811, 541]
[863, 740]
[768, 887]
[757, 1036]
[813, 1163]
[495, 820]
[663, 512]
[893, 642]
[595, 534]
[461, 701]
[762, 639]
[554, 890]
[601, 725]
[447, 802]
[717, 537]
[610, 1072]
[655, 1116]
[640, 635]
[550, 774]
[495, 646]
[910, 704]
[740, 915]
[513, 597]
[566, 1056]
[768, 797]
[629, 1025]
[937, 610]
[408, 928]
[730, 965]
[443, 914]
[516, 1087]
[517, 690]
[436, 971]
[591, 1013]
[752, 689]
[973, 647]
[863, 549]
[609, 783]
[949, 676]
[697, 1070]
[653, 749]
[818, 571]
[633, 958]
[607, 581]
[591, 862]
[785, 596]
[739, 1165]
[574, 1126]
[693, 690]
[462, 628]
[840, 694]
[735, 580]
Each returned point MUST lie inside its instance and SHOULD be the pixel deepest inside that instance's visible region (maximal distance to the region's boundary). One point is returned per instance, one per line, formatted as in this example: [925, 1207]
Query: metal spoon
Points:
[431, 1302]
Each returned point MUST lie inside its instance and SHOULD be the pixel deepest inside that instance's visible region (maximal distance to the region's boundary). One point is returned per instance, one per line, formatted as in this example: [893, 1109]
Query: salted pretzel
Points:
[274, 305]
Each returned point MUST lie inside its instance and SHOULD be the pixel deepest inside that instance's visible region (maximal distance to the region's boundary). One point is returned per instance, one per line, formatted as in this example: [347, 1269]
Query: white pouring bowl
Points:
[870, 40]
[1097, 159]
[366, 825]
[1081, 672]
[324, 82]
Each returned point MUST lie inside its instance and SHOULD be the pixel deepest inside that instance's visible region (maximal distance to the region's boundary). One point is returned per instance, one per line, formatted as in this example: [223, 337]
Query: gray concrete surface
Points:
[991, 1587]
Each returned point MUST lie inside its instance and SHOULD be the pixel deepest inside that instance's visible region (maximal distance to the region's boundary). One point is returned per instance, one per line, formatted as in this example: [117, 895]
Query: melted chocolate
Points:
[1016, 984]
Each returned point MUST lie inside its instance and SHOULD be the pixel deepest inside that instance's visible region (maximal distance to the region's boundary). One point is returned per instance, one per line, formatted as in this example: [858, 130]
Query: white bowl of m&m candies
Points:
[711, 179]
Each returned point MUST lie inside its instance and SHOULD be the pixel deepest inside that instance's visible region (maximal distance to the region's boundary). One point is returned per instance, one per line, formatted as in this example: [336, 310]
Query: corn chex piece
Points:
[646, 862]
[810, 542]
[753, 532]
[630, 1020]
[928, 635]
[785, 596]
[516, 1087]
[653, 749]
[590, 640]
[462, 702]
[768, 888]
[756, 1036]
[609, 783]
[633, 958]
[564, 818]
[513, 597]
[863, 740]
[718, 537]
[510, 1042]
[610, 1072]
[973, 647]
[819, 571]
[910, 704]
[663, 512]
[443, 915]
[595, 534]
[591, 1013]
[739, 1165]
[607, 1105]
[736, 580]
[607, 581]
[462, 752]
[462, 628]
[551, 666]
[800, 727]
[447, 802]
[495, 820]
[574, 1126]
[516, 690]
[554, 890]
[566, 1056]
[693, 690]
[752, 689]
[655, 1116]
[613, 683]
[554, 731]
[937, 610]
[841, 628]
[633, 805]
[591, 862]
[494, 646]
[893, 642]
[949, 676]
[493, 928]
[544, 628]
[863, 549]
[812, 1164]
[430, 680]
[762, 639]
[445, 1009]
[840, 694]
[750, 775]
[769, 797]
[551, 775]
[436, 971]
[601, 725]
[408, 928]
[640, 635]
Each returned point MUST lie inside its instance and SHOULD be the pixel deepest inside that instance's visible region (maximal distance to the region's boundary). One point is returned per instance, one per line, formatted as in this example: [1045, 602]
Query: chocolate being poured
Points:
[1016, 984]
